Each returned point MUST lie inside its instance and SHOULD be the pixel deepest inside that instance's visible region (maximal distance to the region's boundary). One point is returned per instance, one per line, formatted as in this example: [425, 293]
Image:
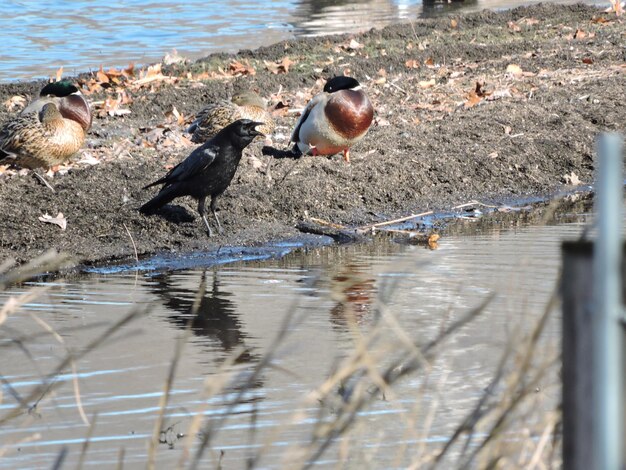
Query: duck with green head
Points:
[49, 130]
[334, 120]
[216, 116]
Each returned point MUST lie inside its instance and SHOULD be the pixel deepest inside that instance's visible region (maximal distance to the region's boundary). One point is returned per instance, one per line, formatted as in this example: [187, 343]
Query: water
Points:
[39, 36]
[242, 311]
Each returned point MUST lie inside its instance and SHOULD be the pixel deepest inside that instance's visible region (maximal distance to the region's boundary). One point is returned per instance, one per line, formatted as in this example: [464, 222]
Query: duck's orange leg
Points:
[346, 155]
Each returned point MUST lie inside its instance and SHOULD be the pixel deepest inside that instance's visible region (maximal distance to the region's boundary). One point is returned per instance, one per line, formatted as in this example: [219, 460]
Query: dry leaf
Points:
[101, 76]
[580, 34]
[453, 23]
[113, 107]
[237, 68]
[476, 95]
[59, 220]
[412, 63]
[381, 121]
[430, 63]
[616, 7]
[514, 70]
[428, 83]
[174, 113]
[529, 21]
[174, 58]
[513, 26]
[279, 67]
[14, 103]
[587, 60]
[571, 179]
[353, 45]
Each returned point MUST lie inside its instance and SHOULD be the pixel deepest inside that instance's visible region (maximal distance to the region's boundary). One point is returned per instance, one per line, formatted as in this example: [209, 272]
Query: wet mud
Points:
[487, 106]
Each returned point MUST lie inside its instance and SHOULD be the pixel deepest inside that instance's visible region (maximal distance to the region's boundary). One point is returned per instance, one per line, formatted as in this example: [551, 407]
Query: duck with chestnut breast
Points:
[334, 120]
[49, 130]
[216, 116]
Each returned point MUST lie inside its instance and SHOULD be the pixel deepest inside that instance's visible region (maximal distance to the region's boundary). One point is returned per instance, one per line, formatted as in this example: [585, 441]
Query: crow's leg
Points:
[213, 207]
[202, 212]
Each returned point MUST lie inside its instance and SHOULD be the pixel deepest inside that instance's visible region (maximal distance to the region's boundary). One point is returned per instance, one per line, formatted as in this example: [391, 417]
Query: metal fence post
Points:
[607, 318]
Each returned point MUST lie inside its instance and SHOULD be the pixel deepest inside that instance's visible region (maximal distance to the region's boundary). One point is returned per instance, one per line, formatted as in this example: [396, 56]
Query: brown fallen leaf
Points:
[101, 76]
[14, 103]
[412, 64]
[513, 26]
[514, 70]
[174, 57]
[599, 19]
[430, 63]
[571, 179]
[587, 60]
[237, 69]
[453, 23]
[529, 21]
[279, 67]
[113, 107]
[174, 114]
[616, 7]
[59, 220]
[476, 95]
[353, 45]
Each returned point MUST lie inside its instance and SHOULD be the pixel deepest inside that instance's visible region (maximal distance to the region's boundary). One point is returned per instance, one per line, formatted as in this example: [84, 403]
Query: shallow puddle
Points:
[269, 415]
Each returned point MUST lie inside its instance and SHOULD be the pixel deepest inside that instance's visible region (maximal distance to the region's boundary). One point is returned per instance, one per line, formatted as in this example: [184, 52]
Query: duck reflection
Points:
[215, 315]
[322, 17]
[354, 290]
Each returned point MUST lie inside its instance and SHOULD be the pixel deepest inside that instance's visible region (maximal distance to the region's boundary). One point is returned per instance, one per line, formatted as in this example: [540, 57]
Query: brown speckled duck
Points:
[334, 120]
[216, 116]
[49, 130]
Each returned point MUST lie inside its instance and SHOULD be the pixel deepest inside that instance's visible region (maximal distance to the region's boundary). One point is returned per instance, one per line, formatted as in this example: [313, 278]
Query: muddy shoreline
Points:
[487, 106]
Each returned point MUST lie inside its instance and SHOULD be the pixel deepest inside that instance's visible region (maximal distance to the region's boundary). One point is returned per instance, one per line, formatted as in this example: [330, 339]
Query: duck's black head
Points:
[59, 89]
[242, 132]
[341, 83]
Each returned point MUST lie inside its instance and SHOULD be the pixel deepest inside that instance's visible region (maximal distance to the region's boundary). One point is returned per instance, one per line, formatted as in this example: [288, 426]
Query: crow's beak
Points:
[256, 132]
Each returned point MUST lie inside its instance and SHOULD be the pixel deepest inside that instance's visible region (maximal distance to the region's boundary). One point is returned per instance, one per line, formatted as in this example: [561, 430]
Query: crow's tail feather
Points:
[165, 196]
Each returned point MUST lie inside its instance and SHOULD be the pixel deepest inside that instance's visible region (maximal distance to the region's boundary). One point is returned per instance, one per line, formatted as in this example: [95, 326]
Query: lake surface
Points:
[39, 36]
[336, 295]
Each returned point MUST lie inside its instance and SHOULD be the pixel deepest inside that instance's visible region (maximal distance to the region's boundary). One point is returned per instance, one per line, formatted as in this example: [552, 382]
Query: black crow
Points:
[207, 171]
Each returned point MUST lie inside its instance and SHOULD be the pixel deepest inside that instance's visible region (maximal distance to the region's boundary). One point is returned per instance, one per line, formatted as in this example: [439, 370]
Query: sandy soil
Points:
[488, 106]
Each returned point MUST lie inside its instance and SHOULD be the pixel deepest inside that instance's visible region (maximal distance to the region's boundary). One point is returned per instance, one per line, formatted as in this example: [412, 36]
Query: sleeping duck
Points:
[49, 130]
[334, 120]
[216, 116]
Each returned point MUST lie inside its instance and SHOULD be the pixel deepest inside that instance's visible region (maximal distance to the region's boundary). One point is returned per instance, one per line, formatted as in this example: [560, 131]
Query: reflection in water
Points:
[354, 290]
[215, 314]
[337, 17]
[324, 17]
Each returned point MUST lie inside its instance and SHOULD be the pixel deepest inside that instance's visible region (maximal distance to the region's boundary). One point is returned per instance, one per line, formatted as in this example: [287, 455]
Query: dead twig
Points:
[394, 221]
[133, 242]
[43, 181]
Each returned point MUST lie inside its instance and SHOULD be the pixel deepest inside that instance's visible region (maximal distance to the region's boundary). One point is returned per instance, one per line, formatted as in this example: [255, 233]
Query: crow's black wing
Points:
[199, 160]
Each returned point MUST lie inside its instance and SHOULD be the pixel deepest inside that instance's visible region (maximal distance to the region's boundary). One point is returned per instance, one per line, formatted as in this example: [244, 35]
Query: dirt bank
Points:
[486, 106]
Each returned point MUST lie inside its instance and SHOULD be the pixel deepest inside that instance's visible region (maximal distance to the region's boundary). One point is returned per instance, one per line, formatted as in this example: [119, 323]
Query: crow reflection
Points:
[215, 318]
